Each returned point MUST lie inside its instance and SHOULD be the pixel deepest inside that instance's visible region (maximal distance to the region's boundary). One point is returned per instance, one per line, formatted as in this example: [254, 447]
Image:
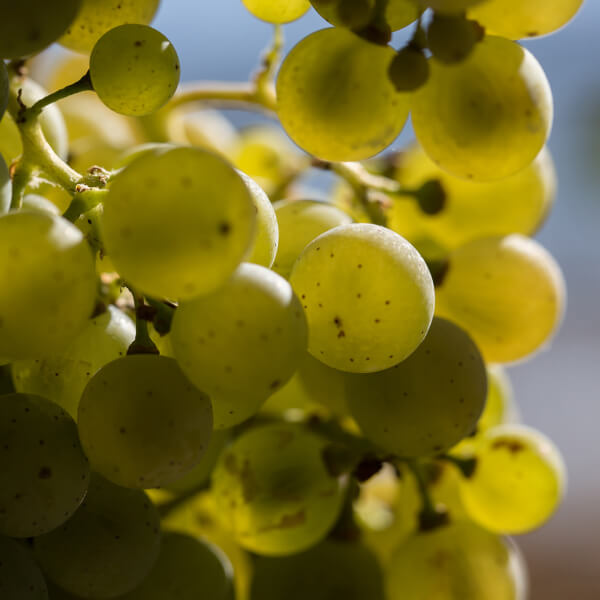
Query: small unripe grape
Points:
[452, 38]
[354, 13]
[409, 70]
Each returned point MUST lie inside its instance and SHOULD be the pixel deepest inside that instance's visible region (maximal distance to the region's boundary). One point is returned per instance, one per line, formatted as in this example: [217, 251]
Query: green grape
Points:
[45, 474]
[275, 11]
[151, 148]
[20, 577]
[409, 70]
[242, 342]
[208, 129]
[519, 203]
[267, 231]
[96, 17]
[459, 561]
[428, 402]
[507, 292]
[451, 38]
[107, 547]
[329, 88]
[368, 297]
[518, 483]
[28, 26]
[37, 203]
[3, 89]
[134, 69]
[169, 440]
[62, 377]
[177, 223]
[451, 7]
[187, 568]
[5, 187]
[340, 570]
[48, 284]
[274, 491]
[487, 117]
[300, 222]
[516, 19]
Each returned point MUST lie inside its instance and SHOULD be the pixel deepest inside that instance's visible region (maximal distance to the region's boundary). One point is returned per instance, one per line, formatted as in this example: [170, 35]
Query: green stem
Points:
[142, 344]
[163, 316]
[429, 517]
[466, 466]
[168, 507]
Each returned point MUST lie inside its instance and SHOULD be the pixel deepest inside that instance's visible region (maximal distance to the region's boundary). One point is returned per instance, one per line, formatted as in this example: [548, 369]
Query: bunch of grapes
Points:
[215, 382]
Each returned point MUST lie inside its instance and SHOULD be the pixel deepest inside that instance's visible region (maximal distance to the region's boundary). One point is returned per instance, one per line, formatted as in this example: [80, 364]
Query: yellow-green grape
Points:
[150, 148]
[459, 561]
[517, 204]
[62, 377]
[145, 452]
[3, 88]
[29, 26]
[242, 342]
[48, 284]
[409, 70]
[177, 223]
[300, 222]
[487, 117]
[107, 547]
[518, 482]
[516, 19]
[428, 402]
[267, 231]
[134, 69]
[275, 11]
[451, 38]
[208, 129]
[37, 203]
[368, 297]
[330, 570]
[5, 187]
[45, 474]
[335, 99]
[274, 491]
[449, 6]
[507, 292]
[96, 17]
[20, 577]
[11, 146]
[187, 568]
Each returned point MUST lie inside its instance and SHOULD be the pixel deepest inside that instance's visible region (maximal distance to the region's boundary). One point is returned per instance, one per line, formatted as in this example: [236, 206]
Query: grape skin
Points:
[5, 187]
[20, 577]
[275, 11]
[3, 89]
[450, 6]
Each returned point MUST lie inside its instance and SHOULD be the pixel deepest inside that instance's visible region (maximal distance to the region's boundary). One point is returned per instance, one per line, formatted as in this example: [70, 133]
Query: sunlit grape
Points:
[451, 38]
[274, 11]
[20, 576]
[450, 6]
[208, 129]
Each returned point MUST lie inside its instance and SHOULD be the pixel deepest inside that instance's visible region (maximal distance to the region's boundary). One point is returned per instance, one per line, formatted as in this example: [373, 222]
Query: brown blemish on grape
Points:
[224, 228]
[287, 521]
[513, 446]
[338, 322]
[45, 473]
[249, 487]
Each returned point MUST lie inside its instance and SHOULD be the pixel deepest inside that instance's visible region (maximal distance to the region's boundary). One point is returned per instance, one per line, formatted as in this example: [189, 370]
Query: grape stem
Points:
[142, 344]
[466, 466]
[430, 516]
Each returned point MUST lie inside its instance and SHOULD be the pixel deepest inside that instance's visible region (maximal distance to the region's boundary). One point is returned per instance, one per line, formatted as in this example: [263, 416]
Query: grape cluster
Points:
[215, 382]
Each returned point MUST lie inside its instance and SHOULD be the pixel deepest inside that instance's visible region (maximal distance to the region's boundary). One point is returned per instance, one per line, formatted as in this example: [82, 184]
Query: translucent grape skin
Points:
[29, 26]
[20, 577]
[134, 69]
[357, 325]
[518, 482]
[428, 402]
[177, 224]
[96, 17]
[48, 284]
[487, 117]
[507, 292]
[331, 569]
[300, 222]
[143, 453]
[333, 78]
[274, 491]
[45, 474]
[5, 187]
[277, 12]
[107, 548]
[62, 377]
[241, 343]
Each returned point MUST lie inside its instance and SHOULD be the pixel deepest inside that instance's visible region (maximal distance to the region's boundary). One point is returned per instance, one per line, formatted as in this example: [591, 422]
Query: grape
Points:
[487, 117]
[451, 38]
[29, 26]
[455, 562]
[409, 70]
[519, 480]
[368, 297]
[517, 19]
[62, 377]
[341, 570]
[169, 440]
[109, 545]
[37, 203]
[450, 6]
[428, 402]
[242, 342]
[3, 89]
[300, 222]
[273, 490]
[20, 577]
[48, 284]
[275, 11]
[187, 569]
[516, 204]
[329, 88]
[134, 69]
[45, 474]
[5, 187]
[96, 17]
[267, 230]
[177, 223]
[208, 129]
[507, 292]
